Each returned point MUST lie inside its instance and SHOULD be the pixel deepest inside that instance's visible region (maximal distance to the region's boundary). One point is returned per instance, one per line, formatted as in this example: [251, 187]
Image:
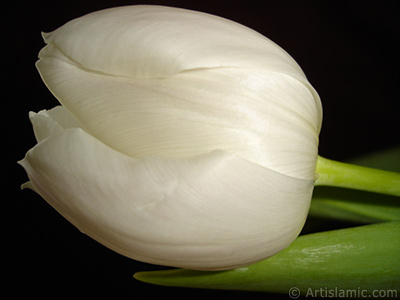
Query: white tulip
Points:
[183, 139]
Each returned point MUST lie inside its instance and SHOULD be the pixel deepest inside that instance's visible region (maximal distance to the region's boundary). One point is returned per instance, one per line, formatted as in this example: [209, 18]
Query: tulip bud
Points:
[183, 139]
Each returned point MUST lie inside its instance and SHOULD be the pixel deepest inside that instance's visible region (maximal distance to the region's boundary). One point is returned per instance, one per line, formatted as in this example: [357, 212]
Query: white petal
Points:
[144, 41]
[212, 211]
[266, 117]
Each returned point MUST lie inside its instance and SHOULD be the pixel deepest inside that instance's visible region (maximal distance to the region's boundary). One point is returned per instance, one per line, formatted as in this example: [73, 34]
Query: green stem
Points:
[338, 174]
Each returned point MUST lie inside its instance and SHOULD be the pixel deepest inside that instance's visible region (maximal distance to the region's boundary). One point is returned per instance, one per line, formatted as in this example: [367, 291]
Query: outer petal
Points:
[147, 41]
[212, 211]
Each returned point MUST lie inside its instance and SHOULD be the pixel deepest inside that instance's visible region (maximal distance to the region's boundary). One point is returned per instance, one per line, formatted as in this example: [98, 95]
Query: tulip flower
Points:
[182, 139]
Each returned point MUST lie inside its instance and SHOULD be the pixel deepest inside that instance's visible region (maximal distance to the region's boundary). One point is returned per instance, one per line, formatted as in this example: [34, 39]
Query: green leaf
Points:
[355, 206]
[364, 258]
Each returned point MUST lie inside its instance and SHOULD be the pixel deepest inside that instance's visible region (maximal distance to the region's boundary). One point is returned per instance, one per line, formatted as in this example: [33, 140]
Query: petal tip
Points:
[45, 36]
[27, 185]
[21, 162]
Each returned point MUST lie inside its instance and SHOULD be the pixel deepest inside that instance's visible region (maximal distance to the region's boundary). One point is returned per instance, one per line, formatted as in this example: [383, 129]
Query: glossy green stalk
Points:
[355, 205]
[338, 174]
[365, 258]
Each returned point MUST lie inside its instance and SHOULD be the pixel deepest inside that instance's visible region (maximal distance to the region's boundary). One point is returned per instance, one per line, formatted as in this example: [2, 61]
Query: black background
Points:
[348, 50]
